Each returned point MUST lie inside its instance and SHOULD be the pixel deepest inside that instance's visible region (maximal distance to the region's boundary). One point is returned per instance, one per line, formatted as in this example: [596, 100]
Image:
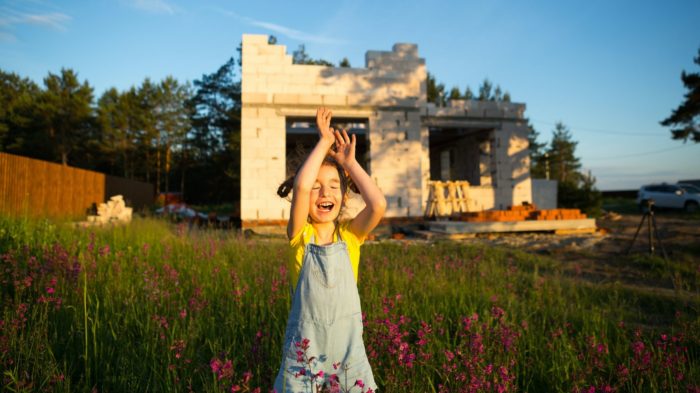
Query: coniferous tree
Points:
[564, 165]
[435, 91]
[65, 111]
[214, 143]
[537, 154]
[468, 94]
[575, 189]
[300, 56]
[685, 119]
[173, 122]
[497, 94]
[485, 91]
[144, 110]
[19, 131]
[455, 94]
[113, 119]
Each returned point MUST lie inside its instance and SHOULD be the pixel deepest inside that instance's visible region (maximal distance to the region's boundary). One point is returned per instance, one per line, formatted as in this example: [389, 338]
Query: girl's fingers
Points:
[345, 136]
[354, 140]
[338, 138]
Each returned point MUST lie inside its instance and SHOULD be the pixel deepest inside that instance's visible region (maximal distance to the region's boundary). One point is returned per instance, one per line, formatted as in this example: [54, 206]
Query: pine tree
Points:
[485, 91]
[435, 91]
[468, 94]
[19, 131]
[65, 110]
[564, 165]
[537, 154]
[455, 94]
[685, 119]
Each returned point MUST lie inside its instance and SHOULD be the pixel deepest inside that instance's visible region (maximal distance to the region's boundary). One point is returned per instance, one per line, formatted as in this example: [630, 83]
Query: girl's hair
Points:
[345, 182]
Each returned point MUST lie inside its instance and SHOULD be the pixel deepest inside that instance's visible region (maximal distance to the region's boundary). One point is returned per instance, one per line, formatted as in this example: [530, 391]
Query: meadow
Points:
[155, 306]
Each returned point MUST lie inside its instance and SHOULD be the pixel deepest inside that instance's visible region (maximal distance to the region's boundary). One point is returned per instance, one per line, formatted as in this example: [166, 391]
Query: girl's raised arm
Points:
[306, 177]
[375, 203]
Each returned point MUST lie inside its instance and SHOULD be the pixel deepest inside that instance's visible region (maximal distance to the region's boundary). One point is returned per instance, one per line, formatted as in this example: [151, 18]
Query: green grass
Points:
[150, 306]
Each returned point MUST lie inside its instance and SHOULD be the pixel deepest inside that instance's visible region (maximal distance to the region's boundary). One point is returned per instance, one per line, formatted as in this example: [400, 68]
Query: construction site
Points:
[462, 168]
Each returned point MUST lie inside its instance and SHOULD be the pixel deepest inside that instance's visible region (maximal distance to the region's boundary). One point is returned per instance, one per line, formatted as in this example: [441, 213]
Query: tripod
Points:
[651, 229]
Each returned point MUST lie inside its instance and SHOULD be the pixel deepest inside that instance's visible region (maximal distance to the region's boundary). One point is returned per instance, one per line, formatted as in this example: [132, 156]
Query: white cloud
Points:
[54, 20]
[9, 18]
[154, 6]
[284, 30]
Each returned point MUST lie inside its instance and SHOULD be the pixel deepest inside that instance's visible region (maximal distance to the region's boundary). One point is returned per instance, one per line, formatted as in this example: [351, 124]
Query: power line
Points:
[609, 132]
[639, 154]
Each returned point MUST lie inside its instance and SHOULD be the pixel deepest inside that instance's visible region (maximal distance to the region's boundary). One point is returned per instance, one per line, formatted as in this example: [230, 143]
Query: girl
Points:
[323, 340]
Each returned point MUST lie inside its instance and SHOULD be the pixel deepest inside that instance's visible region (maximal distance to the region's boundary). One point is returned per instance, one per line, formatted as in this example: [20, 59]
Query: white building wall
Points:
[388, 92]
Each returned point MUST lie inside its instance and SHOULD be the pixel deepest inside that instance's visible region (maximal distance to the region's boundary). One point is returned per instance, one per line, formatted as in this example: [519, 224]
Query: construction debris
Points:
[114, 211]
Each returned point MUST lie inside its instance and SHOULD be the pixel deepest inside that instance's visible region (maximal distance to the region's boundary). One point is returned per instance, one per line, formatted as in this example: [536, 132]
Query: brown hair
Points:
[345, 182]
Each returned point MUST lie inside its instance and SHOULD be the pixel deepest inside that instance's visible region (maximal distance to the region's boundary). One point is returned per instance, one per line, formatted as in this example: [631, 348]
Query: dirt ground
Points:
[603, 257]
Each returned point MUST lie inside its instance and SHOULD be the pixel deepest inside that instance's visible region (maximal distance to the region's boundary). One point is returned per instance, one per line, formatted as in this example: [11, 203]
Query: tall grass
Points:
[155, 307]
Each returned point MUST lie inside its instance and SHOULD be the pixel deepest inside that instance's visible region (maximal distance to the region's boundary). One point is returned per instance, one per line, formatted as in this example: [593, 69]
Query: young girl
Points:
[325, 321]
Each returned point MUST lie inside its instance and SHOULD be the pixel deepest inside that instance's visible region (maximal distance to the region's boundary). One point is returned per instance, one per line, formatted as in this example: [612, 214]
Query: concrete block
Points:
[272, 50]
[408, 50]
[284, 98]
[255, 39]
[310, 99]
[273, 69]
[332, 100]
[254, 97]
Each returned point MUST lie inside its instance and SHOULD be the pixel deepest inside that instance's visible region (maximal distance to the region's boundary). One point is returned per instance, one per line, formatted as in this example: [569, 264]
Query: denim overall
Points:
[326, 311]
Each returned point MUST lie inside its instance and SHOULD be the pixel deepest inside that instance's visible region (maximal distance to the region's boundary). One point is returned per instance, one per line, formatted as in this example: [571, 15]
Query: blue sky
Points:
[609, 70]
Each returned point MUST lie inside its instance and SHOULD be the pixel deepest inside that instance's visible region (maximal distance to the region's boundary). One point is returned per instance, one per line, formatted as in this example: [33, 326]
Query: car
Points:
[693, 189]
[669, 196]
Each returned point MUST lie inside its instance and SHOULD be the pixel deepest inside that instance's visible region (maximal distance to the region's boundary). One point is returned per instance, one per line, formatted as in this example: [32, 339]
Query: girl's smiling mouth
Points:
[325, 206]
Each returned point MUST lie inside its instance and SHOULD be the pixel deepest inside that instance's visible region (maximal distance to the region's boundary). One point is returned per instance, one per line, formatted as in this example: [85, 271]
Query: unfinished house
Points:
[403, 141]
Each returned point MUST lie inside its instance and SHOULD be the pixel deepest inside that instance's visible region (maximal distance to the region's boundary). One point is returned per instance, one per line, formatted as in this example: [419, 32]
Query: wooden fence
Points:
[40, 188]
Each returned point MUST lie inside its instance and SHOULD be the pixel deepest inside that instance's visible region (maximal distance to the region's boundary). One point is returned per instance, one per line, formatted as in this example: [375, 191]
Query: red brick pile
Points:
[522, 213]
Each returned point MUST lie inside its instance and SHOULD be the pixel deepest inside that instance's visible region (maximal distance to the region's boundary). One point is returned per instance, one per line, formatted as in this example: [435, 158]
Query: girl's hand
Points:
[345, 149]
[323, 122]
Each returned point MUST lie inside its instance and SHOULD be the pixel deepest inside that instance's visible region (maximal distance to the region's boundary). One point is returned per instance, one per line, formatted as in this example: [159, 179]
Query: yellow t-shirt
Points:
[299, 242]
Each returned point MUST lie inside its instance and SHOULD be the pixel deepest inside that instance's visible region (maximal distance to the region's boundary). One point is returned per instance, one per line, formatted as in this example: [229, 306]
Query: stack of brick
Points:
[557, 214]
[522, 213]
[114, 211]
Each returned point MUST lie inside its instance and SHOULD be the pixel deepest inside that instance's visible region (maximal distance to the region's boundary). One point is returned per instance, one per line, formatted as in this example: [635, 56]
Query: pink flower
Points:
[360, 383]
[320, 374]
[215, 365]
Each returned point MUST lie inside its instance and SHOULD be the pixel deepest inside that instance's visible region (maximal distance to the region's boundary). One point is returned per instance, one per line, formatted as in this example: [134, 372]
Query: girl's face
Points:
[326, 196]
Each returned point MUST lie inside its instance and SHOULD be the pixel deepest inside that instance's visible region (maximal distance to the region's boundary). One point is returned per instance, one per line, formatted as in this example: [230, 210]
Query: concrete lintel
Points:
[310, 111]
[465, 122]
[510, 226]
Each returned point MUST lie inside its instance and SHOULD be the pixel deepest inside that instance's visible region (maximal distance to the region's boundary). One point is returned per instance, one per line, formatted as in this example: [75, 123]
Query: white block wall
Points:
[388, 92]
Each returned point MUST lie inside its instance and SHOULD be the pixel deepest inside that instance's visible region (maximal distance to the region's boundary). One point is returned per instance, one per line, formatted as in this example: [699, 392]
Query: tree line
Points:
[177, 136]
